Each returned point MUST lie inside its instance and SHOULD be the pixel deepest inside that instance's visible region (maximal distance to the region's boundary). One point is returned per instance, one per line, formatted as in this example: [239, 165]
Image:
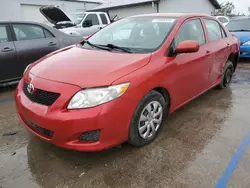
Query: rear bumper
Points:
[111, 119]
[245, 52]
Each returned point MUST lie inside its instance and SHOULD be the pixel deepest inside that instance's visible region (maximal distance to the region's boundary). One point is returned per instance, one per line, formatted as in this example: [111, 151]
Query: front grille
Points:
[42, 131]
[40, 96]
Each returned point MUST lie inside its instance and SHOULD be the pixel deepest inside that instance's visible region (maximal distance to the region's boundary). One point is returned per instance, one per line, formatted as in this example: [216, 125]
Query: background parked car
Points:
[77, 24]
[223, 19]
[22, 43]
[241, 29]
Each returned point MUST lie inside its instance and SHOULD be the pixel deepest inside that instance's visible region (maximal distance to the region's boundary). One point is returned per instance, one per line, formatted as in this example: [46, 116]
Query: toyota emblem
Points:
[30, 88]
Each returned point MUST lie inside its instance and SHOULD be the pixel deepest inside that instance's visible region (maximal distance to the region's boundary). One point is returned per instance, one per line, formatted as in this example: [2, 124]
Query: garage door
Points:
[32, 13]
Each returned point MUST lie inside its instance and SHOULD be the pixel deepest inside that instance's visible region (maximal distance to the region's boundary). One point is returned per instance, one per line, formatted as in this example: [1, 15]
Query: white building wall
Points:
[132, 10]
[10, 10]
[186, 6]
[67, 6]
[28, 10]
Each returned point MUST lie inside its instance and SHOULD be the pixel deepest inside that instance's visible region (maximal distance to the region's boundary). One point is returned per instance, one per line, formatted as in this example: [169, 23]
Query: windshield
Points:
[239, 25]
[138, 34]
[77, 17]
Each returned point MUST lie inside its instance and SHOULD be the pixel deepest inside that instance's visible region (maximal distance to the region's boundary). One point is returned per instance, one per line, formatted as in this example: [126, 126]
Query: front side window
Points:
[191, 30]
[77, 17]
[239, 25]
[214, 30]
[93, 19]
[3, 34]
[139, 34]
[28, 32]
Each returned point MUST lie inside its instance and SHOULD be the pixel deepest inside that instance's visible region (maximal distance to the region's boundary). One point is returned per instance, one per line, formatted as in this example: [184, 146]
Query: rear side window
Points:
[3, 34]
[214, 30]
[93, 18]
[48, 34]
[222, 20]
[28, 32]
[191, 30]
[104, 19]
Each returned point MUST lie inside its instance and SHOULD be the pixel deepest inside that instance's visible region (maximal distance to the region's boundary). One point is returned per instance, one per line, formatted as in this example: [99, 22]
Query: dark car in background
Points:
[22, 43]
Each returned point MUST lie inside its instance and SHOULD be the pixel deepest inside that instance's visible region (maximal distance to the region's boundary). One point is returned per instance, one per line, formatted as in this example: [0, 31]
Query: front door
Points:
[32, 43]
[8, 58]
[95, 25]
[192, 69]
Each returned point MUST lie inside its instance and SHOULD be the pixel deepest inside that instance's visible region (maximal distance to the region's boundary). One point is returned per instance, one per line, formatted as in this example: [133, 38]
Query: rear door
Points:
[96, 24]
[218, 47]
[32, 42]
[8, 57]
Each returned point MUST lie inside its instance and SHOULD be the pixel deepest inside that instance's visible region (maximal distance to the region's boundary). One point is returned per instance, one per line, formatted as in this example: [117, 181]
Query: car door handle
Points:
[52, 44]
[7, 49]
[208, 52]
[99, 27]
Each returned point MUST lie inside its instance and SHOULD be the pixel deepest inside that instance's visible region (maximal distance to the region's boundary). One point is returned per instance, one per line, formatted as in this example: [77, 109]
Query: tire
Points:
[143, 120]
[227, 75]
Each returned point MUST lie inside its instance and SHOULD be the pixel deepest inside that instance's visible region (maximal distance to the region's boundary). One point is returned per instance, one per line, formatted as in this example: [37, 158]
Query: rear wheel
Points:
[148, 119]
[227, 75]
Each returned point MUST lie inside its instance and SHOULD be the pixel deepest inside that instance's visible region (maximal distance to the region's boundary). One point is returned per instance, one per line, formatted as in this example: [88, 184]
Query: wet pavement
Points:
[194, 149]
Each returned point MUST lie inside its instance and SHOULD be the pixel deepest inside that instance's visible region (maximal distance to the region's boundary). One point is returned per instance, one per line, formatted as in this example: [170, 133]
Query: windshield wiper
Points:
[239, 30]
[95, 45]
[112, 46]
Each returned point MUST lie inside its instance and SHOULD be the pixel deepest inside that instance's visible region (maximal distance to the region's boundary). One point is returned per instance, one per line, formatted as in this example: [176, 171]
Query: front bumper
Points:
[65, 127]
[245, 52]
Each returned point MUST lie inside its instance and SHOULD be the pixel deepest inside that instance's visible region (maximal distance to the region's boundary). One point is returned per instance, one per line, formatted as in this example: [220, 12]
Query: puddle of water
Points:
[15, 171]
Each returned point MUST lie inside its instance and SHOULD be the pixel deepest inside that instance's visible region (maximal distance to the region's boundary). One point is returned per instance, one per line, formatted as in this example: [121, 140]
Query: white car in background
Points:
[78, 24]
[223, 19]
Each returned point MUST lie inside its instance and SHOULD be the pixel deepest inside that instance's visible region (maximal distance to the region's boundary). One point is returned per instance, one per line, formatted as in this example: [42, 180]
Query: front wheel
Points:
[148, 119]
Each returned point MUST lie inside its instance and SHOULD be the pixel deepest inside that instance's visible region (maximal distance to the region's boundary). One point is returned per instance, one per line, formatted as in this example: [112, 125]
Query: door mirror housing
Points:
[188, 46]
[87, 23]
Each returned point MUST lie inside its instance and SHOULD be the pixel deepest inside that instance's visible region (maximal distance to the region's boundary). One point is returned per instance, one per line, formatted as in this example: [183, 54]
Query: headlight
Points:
[26, 69]
[93, 97]
[246, 43]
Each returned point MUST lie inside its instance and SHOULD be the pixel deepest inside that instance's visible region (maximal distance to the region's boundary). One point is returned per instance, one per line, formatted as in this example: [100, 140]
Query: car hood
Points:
[242, 36]
[88, 68]
[54, 14]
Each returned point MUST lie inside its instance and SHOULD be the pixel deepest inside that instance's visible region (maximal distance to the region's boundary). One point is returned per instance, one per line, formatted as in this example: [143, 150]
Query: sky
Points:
[241, 5]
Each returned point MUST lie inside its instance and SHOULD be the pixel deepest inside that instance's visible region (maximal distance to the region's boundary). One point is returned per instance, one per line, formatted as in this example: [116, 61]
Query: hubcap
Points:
[150, 120]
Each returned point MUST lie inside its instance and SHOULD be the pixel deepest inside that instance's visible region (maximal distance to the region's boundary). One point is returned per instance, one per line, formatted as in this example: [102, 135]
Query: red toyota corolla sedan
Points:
[121, 83]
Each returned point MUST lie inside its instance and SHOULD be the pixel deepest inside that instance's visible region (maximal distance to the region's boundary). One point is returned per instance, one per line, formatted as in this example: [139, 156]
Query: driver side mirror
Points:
[87, 23]
[188, 46]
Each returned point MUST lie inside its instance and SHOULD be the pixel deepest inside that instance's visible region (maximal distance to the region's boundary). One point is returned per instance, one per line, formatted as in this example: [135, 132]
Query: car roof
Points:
[176, 15]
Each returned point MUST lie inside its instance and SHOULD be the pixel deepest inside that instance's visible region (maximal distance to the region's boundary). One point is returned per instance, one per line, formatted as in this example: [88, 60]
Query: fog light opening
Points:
[91, 136]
